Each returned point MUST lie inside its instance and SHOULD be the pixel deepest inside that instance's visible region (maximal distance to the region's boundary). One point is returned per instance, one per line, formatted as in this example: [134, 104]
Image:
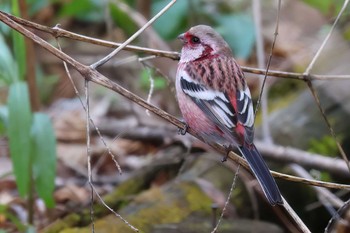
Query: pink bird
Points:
[215, 100]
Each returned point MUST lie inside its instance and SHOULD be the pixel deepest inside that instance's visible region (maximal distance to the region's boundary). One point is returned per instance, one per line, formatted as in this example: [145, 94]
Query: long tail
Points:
[262, 173]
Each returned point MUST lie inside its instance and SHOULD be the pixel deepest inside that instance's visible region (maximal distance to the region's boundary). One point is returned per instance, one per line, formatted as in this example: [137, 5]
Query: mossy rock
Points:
[170, 204]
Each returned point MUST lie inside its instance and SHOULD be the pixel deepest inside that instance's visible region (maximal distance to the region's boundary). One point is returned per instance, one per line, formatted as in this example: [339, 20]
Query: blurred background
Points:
[169, 182]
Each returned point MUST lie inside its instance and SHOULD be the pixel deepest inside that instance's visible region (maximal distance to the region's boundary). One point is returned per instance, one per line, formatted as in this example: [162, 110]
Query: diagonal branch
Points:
[314, 92]
[133, 37]
[91, 74]
[96, 77]
[59, 32]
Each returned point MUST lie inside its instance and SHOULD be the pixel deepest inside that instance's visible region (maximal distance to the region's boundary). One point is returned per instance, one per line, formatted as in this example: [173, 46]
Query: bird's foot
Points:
[184, 130]
[224, 159]
[228, 149]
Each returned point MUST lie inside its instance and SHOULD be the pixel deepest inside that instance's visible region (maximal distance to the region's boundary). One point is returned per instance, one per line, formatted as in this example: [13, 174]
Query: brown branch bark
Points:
[306, 159]
[91, 74]
[59, 32]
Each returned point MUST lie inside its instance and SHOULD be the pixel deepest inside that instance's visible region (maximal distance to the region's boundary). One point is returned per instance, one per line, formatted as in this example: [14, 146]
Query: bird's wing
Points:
[227, 110]
[245, 112]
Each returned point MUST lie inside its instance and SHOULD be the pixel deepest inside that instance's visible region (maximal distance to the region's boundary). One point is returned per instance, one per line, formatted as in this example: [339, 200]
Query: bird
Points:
[215, 100]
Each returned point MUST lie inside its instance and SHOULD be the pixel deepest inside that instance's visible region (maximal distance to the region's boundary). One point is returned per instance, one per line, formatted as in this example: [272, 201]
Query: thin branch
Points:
[133, 37]
[233, 156]
[337, 217]
[88, 152]
[233, 185]
[331, 130]
[261, 61]
[90, 119]
[94, 76]
[314, 92]
[59, 32]
[295, 217]
[115, 213]
[325, 196]
[312, 63]
[288, 154]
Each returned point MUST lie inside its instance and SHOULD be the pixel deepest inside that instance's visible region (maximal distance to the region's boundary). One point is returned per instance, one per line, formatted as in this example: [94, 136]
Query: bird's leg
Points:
[183, 131]
[224, 159]
[228, 149]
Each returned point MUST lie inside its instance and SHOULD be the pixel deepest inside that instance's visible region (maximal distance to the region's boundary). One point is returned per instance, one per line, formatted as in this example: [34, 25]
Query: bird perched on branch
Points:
[215, 100]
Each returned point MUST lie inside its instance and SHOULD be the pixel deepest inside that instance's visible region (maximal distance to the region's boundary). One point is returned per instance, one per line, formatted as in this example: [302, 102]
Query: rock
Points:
[184, 204]
[298, 122]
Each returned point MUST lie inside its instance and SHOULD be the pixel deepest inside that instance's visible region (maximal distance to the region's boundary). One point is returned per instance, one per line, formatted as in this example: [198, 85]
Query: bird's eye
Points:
[195, 40]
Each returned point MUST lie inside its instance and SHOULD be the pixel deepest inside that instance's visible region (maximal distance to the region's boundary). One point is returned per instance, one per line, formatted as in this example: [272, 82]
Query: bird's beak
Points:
[181, 37]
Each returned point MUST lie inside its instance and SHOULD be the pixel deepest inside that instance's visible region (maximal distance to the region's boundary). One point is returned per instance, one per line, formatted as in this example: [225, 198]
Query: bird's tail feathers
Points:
[262, 173]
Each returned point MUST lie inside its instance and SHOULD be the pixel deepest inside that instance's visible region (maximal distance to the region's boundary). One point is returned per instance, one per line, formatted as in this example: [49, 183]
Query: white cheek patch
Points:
[190, 54]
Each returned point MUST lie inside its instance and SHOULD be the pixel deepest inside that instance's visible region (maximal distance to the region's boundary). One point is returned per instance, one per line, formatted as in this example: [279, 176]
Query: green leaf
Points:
[326, 7]
[19, 46]
[158, 82]
[169, 24]
[4, 210]
[122, 19]
[5, 7]
[239, 32]
[44, 157]
[8, 67]
[19, 124]
[3, 119]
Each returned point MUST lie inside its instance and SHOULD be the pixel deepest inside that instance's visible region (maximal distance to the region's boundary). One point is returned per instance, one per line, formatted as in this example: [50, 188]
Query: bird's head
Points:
[202, 42]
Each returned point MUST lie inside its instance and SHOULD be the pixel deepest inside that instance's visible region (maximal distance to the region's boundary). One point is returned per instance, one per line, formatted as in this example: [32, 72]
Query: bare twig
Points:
[227, 199]
[115, 213]
[131, 38]
[313, 90]
[331, 130]
[324, 194]
[94, 76]
[312, 63]
[88, 152]
[337, 217]
[59, 32]
[306, 159]
[261, 62]
[90, 119]
[233, 156]
[295, 217]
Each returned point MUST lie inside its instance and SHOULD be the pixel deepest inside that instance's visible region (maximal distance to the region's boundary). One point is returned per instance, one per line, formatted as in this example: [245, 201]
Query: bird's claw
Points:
[228, 149]
[184, 130]
[224, 159]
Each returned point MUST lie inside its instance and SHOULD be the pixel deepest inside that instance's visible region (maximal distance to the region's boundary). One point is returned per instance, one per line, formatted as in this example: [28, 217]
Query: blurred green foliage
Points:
[145, 78]
[172, 22]
[324, 146]
[242, 38]
[236, 27]
[4, 211]
[122, 20]
[327, 7]
[32, 142]
[84, 10]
